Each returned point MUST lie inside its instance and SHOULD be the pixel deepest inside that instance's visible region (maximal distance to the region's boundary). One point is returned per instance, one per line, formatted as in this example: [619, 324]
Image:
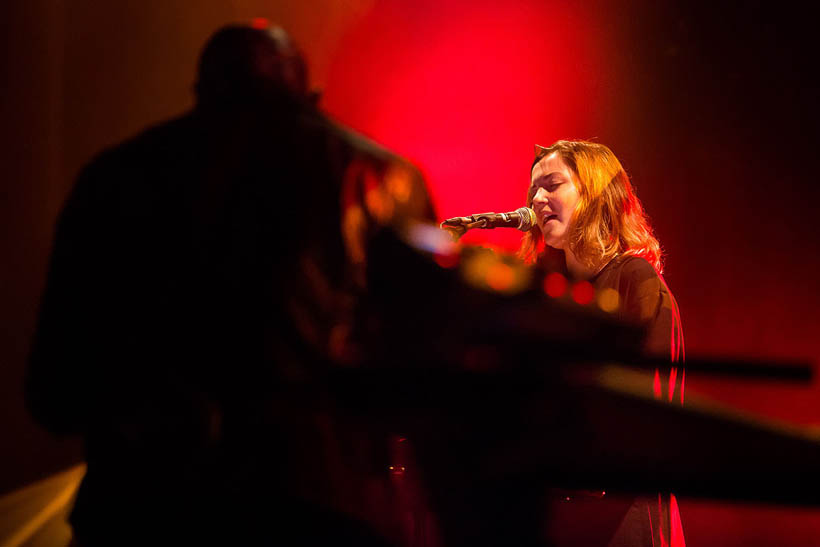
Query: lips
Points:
[547, 218]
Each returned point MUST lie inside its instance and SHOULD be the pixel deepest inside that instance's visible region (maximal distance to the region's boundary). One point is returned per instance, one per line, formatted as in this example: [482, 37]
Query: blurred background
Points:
[712, 109]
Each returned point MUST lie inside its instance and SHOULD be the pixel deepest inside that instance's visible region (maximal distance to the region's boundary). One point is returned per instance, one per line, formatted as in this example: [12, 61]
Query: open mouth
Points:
[547, 218]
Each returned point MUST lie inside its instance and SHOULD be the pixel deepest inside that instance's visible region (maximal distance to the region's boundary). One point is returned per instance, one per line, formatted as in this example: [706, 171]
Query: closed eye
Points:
[550, 182]
[551, 187]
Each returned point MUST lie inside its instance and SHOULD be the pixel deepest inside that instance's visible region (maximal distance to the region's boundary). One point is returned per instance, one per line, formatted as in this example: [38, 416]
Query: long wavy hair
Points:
[608, 220]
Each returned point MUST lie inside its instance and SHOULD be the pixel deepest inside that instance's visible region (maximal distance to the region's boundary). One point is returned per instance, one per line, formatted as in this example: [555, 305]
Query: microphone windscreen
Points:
[527, 221]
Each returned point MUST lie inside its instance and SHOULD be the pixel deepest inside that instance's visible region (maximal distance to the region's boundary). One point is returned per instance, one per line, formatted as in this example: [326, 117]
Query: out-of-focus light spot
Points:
[476, 266]
[555, 285]
[500, 277]
[446, 260]
[260, 23]
[402, 439]
[583, 292]
[608, 300]
[353, 226]
[338, 340]
[397, 182]
[431, 238]
[488, 270]
[379, 204]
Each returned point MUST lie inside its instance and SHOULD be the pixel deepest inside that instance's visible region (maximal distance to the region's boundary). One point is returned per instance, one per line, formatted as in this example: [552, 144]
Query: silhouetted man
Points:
[204, 274]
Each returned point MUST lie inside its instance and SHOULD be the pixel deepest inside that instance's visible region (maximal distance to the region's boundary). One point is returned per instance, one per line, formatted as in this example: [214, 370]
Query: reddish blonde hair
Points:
[608, 220]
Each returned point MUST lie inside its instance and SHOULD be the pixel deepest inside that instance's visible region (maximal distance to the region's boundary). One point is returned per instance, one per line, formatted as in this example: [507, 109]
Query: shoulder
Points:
[642, 279]
[646, 299]
[636, 276]
[152, 144]
[400, 178]
[635, 267]
[625, 272]
[640, 288]
[138, 162]
[364, 146]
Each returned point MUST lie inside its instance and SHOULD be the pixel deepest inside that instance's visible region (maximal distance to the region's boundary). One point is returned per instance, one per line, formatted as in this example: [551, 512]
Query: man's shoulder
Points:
[364, 146]
[165, 136]
[135, 162]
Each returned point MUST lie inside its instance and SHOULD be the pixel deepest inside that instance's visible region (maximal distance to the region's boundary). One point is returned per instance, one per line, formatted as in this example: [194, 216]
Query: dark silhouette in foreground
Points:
[204, 275]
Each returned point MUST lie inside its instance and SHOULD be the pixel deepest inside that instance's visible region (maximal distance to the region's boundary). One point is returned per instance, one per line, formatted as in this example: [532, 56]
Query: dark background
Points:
[712, 109]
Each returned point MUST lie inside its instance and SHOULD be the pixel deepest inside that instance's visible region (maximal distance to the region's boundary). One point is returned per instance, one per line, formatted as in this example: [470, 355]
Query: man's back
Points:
[204, 274]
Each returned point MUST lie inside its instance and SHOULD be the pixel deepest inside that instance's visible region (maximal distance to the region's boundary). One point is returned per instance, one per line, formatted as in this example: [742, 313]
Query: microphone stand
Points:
[458, 226]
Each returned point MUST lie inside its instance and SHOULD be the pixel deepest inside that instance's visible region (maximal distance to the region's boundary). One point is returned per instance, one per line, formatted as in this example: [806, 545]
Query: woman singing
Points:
[587, 210]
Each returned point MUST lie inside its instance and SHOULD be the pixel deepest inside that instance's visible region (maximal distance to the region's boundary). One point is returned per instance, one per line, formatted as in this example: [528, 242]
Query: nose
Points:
[540, 197]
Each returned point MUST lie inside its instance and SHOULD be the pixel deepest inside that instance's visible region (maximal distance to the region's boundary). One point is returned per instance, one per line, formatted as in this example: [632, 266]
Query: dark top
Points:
[644, 298]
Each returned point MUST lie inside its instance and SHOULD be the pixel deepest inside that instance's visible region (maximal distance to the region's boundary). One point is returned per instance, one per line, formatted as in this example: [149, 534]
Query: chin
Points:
[552, 241]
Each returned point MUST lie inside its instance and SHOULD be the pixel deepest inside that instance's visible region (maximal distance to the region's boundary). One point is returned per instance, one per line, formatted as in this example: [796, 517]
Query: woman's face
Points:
[555, 197]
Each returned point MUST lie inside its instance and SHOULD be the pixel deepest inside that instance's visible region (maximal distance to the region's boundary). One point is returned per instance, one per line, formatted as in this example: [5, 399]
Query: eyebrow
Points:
[553, 174]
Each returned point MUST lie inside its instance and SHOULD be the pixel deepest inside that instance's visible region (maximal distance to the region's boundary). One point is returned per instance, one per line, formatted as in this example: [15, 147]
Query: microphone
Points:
[522, 219]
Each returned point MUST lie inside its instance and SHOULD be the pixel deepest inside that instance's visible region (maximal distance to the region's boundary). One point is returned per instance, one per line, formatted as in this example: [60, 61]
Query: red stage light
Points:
[583, 292]
[260, 23]
[446, 260]
[555, 285]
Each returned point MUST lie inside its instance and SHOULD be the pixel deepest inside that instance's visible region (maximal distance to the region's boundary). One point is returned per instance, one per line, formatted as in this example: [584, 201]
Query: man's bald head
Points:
[241, 63]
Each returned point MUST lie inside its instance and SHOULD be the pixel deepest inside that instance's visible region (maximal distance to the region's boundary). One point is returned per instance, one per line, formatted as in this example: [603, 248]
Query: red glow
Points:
[446, 260]
[260, 23]
[677, 528]
[583, 292]
[465, 89]
[673, 375]
[656, 385]
[555, 285]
